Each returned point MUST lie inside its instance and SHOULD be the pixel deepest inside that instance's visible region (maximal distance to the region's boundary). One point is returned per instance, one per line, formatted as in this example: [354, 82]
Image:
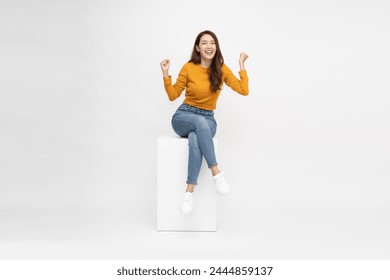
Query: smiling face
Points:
[207, 49]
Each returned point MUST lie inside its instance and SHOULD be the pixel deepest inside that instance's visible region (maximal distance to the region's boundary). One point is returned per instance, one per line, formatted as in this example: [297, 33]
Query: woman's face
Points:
[206, 47]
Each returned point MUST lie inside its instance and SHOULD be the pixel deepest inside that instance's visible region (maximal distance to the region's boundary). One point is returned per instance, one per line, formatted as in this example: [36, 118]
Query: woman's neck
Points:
[205, 63]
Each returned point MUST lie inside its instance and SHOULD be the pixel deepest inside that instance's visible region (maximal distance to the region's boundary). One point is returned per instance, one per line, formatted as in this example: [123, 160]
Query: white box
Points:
[172, 166]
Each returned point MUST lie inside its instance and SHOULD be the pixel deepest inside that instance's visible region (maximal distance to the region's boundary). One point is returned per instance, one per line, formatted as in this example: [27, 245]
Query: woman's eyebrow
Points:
[205, 41]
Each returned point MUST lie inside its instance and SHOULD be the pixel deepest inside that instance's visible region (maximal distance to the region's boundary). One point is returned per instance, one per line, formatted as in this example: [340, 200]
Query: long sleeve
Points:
[238, 85]
[194, 79]
[174, 91]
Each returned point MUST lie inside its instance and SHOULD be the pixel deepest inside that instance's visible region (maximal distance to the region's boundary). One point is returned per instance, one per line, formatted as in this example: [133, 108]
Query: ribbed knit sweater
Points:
[195, 80]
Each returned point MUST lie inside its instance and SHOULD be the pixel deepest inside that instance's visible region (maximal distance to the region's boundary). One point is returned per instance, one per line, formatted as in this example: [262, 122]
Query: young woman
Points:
[202, 78]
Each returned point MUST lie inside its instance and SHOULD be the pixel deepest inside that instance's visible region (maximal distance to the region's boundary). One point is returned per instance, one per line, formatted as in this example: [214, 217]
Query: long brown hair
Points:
[215, 70]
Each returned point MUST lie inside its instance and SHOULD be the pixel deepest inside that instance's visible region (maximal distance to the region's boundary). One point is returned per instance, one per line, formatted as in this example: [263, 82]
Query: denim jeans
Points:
[199, 126]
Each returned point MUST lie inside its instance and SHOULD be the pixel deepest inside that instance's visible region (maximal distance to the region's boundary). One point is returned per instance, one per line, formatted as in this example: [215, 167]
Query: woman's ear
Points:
[197, 48]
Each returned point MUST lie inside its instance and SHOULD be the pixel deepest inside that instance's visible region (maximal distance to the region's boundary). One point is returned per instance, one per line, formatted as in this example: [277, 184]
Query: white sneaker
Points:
[188, 201]
[220, 184]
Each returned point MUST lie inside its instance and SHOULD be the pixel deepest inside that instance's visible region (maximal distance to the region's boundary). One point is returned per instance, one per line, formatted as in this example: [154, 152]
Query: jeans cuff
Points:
[189, 182]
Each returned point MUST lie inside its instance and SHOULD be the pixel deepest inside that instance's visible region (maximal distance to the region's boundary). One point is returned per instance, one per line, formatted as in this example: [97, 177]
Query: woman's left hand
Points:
[243, 57]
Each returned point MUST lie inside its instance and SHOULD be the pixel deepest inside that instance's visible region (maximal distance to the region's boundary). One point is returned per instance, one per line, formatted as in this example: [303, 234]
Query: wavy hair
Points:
[215, 70]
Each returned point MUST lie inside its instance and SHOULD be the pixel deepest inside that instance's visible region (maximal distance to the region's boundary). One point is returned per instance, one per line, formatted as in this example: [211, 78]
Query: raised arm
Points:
[173, 91]
[238, 85]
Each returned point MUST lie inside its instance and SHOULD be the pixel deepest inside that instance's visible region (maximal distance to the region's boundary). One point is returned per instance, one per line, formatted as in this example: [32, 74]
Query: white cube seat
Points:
[172, 166]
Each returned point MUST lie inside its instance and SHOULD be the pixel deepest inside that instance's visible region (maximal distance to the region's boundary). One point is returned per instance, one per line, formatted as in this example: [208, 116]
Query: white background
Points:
[306, 153]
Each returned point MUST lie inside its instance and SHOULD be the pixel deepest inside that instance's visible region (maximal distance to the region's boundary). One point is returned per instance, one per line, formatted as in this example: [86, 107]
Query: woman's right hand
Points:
[165, 67]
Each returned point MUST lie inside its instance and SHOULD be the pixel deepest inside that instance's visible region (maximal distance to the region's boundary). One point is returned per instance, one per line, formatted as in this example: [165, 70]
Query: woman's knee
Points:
[182, 127]
[213, 126]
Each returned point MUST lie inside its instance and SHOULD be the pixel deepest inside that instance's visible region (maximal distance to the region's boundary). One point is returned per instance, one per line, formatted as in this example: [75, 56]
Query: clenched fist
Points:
[165, 67]
[243, 57]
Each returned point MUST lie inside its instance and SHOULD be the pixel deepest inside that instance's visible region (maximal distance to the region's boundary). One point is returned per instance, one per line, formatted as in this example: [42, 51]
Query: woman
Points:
[202, 77]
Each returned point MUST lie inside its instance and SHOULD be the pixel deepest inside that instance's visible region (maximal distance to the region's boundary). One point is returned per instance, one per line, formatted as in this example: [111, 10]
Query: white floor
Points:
[252, 231]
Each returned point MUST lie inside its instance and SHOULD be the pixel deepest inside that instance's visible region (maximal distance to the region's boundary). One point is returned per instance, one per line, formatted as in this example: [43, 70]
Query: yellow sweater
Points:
[195, 79]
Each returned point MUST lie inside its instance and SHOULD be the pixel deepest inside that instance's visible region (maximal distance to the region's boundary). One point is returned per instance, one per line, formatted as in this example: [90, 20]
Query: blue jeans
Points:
[199, 126]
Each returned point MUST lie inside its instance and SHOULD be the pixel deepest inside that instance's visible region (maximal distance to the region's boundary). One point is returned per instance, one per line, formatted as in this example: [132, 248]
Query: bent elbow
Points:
[245, 92]
[172, 97]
